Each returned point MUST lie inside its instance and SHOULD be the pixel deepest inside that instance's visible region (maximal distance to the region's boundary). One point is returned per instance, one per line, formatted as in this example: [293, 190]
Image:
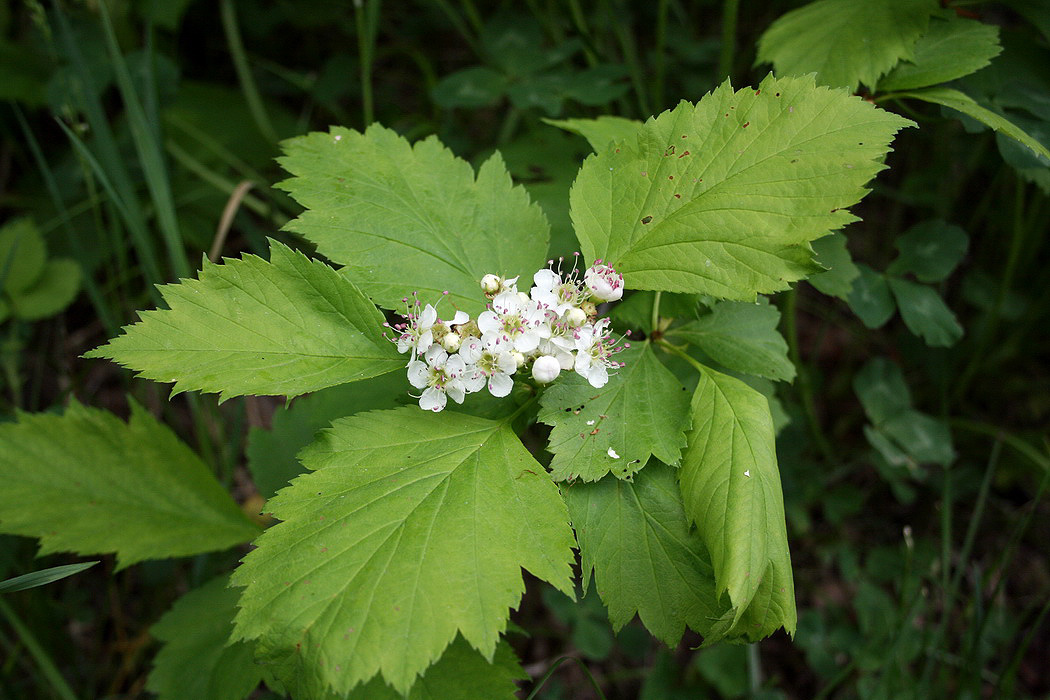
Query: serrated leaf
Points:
[601, 131]
[22, 255]
[413, 528]
[961, 102]
[54, 289]
[845, 42]
[381, 206]
[284, 327]
[197, 659]
[930, 250]
[731, 490]
[925, 313]
[635, 537]
[951, 48]
[837, 280]
[272, 453]
[881, 388]
[723, 197]
[870, 298]
[460, 674]
[642, 411]
[742, 337]
[69, 478]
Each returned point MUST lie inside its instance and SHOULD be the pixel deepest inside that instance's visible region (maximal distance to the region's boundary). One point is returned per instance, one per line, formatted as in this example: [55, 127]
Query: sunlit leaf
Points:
[413, 527]
[724, 197]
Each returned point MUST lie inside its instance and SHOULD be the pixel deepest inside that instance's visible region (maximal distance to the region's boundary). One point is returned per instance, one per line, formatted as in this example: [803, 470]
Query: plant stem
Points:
[655, 323]
[47, 666]
[805, 389]
[366, 24]
[730, 10]
[244, 71]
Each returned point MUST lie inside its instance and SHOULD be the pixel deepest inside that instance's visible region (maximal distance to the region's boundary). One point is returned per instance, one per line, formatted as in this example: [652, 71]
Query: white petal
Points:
[490, 322]
[436, 356]
[455, 390]
[471, 350]
[429, 315]
[418, 374]
[505, 303]
[460, 318]
[526, 342]
[500, 385]
[598, 376]
[546, 279]
[425, 341]
[433, 399]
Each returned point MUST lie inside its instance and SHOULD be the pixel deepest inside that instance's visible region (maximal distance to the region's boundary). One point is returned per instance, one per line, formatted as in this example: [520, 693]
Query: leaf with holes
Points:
[411, 528]
[724, 197]
[284, 327]
[731, 490]
[381, 207]
[643, 411]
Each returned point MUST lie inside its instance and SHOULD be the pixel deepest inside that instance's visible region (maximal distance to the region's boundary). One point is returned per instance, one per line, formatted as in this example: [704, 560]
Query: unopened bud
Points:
[604, 282]
[546, 369]
[519, 359]
[576, 317]
[490, 284]
[451, 342]
[589, 308]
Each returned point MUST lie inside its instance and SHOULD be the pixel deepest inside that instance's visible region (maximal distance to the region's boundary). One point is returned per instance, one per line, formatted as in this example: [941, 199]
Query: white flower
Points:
[492, 285]
[604, 282]
[520, 320]
[546, 369]
[557, 294]
[594, 351]
[489, 360]
[439, 376]
[417, 335]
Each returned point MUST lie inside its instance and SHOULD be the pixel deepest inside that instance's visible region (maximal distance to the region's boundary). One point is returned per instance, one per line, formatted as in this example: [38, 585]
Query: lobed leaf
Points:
[380, 206]
[843, 41]
[742, 337]
[600, 131]
[197, 659]
[642, 411]
[68, 478]
[285, 327]
[635, 537]
[952, 48]
[723, 197]
[731, 490]
[413, 527]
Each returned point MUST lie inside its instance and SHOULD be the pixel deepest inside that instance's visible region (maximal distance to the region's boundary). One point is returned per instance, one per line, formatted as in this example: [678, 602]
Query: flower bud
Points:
[451, 342]
[604, 282]
[519, 359]
[589, 309]
[546, 369]
[490, 284]
[576, 317]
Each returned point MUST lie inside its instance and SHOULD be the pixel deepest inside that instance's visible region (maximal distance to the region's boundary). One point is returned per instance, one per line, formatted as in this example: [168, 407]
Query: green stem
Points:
[47, 666]
[805, 388]
[659, 57]
[244, 71]
[1009, 439]
[675, 350]
[367, 25]
[754, 668]
[655, 323]
[554, 667]
[730, 11]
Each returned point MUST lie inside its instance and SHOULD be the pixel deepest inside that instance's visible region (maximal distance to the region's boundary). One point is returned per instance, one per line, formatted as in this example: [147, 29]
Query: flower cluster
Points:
[552, 329]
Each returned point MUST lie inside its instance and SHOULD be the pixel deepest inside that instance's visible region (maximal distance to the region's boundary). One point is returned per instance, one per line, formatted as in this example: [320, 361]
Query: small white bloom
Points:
[604, 282]
[594, 351]
[417, 335]
[546, 369]
[490, 360]
[439, 375]
[520, 320]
